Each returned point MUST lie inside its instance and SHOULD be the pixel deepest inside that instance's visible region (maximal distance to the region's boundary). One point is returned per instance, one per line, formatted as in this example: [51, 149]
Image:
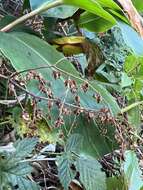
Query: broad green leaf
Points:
[32, 52]
[28, 52]
[94, 23]
[119, 15]
[95, 143]
[65, 172]
[63, 11]
[109, 3]
[133, 173]
[109, 100]
[138, 4]
[91, 175]
[116, 183]
[74, 143]
[131, 38]
[25, 146]
[92, 7]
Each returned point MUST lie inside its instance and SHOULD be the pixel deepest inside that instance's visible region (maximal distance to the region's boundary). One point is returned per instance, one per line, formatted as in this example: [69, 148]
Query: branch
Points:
[37, 11]
[133, 15]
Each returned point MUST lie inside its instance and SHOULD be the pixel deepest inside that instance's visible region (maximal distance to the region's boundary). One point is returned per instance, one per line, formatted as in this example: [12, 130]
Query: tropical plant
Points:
[76, 79]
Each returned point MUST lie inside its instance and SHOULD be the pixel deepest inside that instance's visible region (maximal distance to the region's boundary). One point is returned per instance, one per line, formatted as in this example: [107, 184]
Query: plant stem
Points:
[37, 160]
[5, 122]
[126, 109]
[37, 11]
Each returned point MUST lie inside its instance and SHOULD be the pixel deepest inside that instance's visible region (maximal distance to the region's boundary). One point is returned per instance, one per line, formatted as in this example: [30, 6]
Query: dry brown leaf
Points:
[133, 15]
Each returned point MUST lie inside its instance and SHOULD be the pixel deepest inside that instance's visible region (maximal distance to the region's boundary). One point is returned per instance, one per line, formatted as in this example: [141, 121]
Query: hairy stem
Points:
[37, 11]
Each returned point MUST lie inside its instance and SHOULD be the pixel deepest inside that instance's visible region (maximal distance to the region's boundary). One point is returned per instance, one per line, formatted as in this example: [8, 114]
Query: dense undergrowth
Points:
[71, 94]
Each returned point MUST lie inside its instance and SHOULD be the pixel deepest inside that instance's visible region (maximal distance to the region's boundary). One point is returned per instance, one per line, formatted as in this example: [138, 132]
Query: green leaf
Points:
[131, 63]
[14, 172]
[74, 143]
[125, 80]
[65, 173]
[95, 143]
[25, 184]
[108, 99]
[138, 4]
[94, 23]
[116, 183]
[134, 117]
[26, 51]
[131, 38]
[132, 172]
[134, 66]
[109, 4]
[92, 7]
[119, 15]
[26, 4]
[63, 11]
[25, 146]
[20, 169]
[32, 52]
[91, 175]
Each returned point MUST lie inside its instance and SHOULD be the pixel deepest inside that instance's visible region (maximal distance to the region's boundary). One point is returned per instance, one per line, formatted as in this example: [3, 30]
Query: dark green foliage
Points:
[13, 169]
[95, 118]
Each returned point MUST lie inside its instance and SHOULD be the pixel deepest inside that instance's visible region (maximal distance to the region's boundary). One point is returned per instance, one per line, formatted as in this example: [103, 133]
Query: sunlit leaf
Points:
[93, 7]
[94, 23]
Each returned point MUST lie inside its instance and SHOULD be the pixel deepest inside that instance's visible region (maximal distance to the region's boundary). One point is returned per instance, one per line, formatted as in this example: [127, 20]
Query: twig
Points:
[38, 160]
[3, 76]
[14, 91]
[52, 99]
[123, 110]
[13, 102]
[33, 13]
[5, 122]
[64, 100]
[37, 68]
